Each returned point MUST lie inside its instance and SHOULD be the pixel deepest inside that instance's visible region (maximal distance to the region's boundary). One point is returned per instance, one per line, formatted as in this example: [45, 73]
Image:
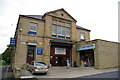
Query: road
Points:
[103, 76]
[6, 72]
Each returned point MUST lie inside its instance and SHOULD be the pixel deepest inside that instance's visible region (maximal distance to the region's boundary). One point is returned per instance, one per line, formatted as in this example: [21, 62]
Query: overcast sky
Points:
[100, 16]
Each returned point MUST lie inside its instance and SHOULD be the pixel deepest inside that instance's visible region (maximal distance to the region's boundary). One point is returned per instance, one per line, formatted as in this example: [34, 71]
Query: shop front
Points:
[86, 53]
[59, 53]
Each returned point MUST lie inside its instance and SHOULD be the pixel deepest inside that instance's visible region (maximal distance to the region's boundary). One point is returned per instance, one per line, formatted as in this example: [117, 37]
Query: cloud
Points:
[97, 15]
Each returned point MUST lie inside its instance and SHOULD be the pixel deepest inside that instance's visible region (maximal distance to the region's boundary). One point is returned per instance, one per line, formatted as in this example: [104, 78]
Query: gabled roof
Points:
[40, 17]
[79, 27]
[59, 10]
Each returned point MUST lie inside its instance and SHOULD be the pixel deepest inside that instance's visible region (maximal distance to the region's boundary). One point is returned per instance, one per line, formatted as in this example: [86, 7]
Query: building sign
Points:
[12, 41]
[34, 44]
[86, 47]
[60, 51]
[39, 51]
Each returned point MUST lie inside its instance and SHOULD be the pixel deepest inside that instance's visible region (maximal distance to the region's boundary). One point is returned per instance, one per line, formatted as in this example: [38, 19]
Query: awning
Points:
[34, 44]
[63, 41]
[86, 47]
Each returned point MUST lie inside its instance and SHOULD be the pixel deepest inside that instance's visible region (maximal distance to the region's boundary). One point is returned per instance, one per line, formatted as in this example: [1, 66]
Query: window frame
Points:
[33, 26]
[82, 34]
[55, 29]
[63, 33]
[66, 32]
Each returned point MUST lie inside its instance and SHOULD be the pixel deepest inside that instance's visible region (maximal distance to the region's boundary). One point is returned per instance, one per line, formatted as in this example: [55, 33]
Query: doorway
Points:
[31, 53]
[59, 55]
[58, 60]
[87, 58]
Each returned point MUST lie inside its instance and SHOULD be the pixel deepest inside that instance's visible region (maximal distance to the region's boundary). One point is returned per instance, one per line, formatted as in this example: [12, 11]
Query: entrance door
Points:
[59, 55]
[87, 57]
[30, 54]
[58, 61]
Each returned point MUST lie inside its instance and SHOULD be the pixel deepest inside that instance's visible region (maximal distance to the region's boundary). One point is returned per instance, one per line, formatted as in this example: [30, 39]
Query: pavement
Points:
[63, 72]
[6, 72]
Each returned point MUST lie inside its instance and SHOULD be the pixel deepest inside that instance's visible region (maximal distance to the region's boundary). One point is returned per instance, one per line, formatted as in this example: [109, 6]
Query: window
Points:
[67, 31]
[61, 51]
[33, 27]
[61, 23]
[82, 36]
[61, 29]
[67, 25]
[54, 29]
[54, 22]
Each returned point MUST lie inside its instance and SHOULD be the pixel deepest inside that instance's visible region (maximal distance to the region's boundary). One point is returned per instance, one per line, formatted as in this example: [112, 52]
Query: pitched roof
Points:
[39, 17]
[79, 27]
[59, 10]
[34, 16]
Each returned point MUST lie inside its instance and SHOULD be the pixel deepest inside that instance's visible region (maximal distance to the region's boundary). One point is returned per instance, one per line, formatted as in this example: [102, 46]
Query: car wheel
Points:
[45, 73]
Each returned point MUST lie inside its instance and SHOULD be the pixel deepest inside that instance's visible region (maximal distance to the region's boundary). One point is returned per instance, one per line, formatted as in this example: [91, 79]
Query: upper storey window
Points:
[54, 22]
[61, 29]
[82, 36]
[68, 32]
[54, 29]
[61, 23]
[33, 28]
[67, 25]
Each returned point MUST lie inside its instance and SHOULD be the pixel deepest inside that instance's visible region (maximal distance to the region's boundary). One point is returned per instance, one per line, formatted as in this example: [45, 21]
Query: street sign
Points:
[39, 51]
[86, 47]
[12, 41]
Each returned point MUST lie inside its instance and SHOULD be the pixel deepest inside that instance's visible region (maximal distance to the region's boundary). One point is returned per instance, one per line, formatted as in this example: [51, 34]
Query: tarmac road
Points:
[104, 75]
[6, 72]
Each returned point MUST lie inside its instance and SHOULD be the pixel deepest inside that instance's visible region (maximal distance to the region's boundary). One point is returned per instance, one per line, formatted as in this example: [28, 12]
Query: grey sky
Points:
[100, 16]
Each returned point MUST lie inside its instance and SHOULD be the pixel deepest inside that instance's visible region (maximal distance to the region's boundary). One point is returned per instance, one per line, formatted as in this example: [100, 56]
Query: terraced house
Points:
[55, 37]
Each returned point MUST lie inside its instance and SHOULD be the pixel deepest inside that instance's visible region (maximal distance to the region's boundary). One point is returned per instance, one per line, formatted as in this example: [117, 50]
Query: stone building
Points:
[55, 37]
[101, 53]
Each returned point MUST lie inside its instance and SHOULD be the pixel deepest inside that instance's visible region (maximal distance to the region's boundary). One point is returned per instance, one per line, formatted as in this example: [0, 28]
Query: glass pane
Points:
[39, 63]
[67, 25]
[67, 31]
[60, 51]
[54, 29]
[82, 36]
[54, 21]
[33, 26]
[61, 23]
[63, 30]
[59, 30]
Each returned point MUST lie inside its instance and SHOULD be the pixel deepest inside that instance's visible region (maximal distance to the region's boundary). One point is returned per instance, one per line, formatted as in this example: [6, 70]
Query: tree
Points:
[7, 54]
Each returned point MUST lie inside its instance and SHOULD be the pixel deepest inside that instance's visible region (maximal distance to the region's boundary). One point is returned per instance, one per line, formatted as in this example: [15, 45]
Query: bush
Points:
[3, 63]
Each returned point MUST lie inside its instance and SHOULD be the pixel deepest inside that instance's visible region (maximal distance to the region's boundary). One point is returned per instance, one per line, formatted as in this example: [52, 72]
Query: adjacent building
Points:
[54, 37]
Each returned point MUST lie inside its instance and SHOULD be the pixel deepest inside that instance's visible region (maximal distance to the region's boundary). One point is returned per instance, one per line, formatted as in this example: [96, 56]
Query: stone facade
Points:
[43, 35]
[105, 53]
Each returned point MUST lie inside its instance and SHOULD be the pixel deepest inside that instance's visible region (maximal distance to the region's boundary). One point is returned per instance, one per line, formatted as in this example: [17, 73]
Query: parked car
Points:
[38, 67]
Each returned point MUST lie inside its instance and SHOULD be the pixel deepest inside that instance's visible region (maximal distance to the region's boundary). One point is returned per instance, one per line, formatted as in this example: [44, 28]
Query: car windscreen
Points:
[39, 63]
